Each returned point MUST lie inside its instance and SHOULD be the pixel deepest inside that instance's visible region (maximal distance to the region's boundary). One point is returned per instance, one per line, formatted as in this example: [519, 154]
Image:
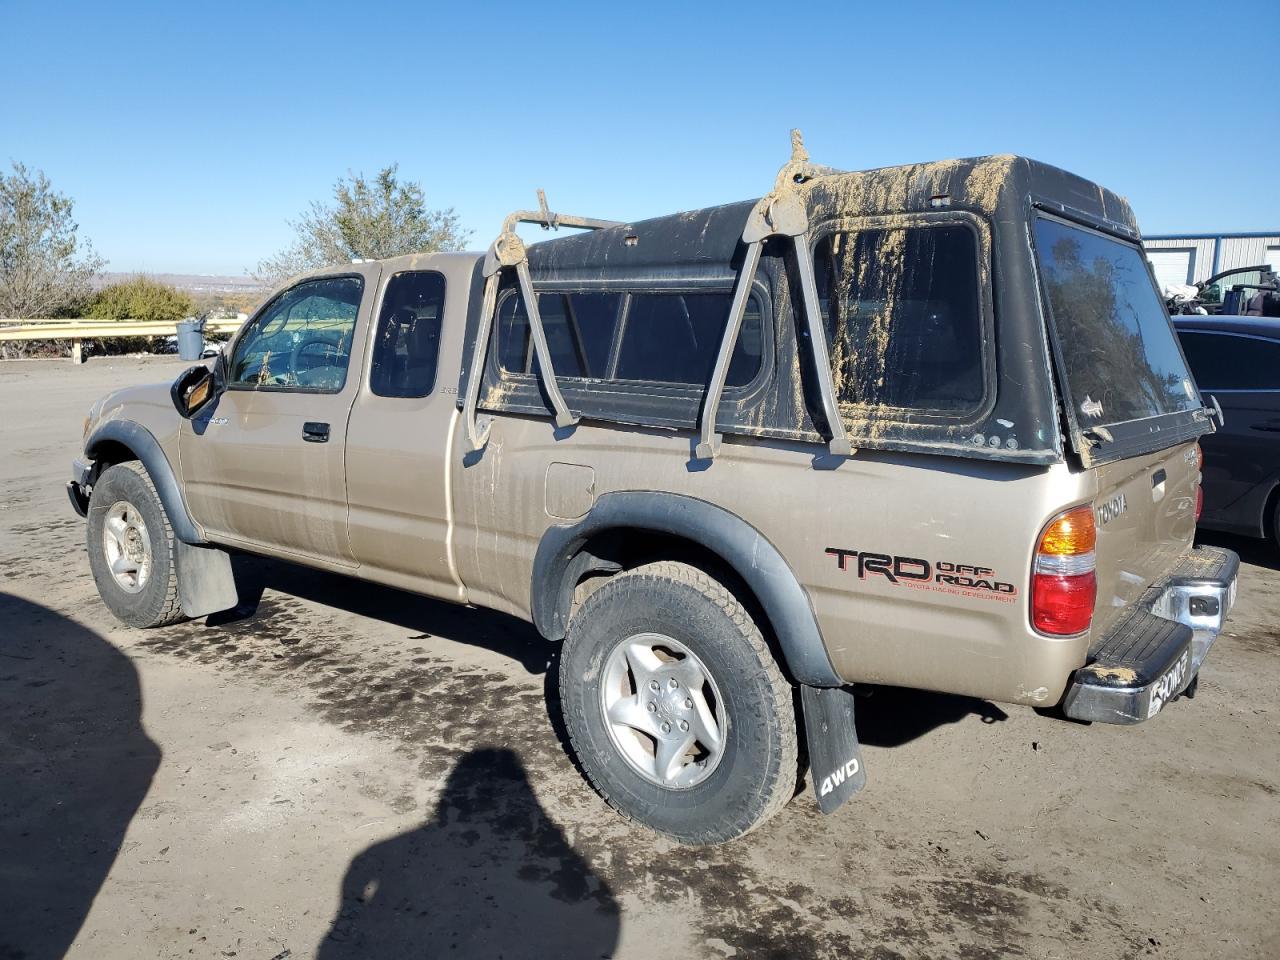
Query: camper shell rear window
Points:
[1119, 360]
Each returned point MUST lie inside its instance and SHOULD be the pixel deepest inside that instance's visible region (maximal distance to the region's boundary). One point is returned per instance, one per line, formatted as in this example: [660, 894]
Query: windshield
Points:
[1119, 355]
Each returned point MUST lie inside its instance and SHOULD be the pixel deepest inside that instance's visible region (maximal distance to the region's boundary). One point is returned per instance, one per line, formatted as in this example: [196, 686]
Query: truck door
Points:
[264, 466]
[402, 431]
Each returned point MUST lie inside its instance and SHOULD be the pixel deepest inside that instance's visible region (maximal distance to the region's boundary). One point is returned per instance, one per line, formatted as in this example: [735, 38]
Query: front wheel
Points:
[675, 707]
[131, 548]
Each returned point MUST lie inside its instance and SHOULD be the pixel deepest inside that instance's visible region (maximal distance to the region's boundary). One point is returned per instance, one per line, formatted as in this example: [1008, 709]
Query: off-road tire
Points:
[756, 774]
[156, 605]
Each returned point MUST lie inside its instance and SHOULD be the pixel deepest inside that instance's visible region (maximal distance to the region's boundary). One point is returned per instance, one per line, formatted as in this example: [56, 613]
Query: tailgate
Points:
[1146, 516]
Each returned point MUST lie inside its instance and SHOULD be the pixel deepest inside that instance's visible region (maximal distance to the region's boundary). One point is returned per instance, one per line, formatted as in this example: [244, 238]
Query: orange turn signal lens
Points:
[1070, 534]
[1199, 458]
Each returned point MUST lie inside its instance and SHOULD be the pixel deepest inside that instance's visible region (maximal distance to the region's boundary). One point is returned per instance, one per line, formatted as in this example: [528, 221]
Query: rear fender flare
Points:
[560, 561]
[147, 449]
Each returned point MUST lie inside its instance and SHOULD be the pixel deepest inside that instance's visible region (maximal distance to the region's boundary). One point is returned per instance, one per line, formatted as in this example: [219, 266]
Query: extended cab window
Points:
[663, 337]
[406, 345]
[1118, 352]
[903, 317]
[302, 340]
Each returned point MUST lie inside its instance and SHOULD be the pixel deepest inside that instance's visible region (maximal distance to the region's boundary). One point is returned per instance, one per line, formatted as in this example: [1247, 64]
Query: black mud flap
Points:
[835, 759]
[206, 583]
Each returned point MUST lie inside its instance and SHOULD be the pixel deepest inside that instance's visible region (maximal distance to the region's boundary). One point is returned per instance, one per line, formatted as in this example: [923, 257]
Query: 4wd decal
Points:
[942, 576]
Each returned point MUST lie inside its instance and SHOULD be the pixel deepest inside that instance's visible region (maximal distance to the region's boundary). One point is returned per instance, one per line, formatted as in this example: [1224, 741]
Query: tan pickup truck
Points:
[925, 426]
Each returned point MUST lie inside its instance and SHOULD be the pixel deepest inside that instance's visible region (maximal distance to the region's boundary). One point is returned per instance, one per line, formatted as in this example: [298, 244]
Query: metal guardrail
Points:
[77, 331]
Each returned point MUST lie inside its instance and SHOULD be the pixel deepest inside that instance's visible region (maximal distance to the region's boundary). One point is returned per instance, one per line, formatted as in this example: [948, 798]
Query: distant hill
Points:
[197, 284]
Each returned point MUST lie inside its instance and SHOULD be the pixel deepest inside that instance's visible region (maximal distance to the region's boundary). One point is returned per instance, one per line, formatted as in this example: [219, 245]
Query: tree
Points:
[370, 220]
[139, 298]
[45, 269]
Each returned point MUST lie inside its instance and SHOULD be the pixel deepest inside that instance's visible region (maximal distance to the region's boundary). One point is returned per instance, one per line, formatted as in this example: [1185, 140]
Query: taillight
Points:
[1064, 580]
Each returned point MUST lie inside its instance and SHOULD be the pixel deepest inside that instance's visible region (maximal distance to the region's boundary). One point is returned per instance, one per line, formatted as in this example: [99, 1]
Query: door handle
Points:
[1271, 426]
[314, 432]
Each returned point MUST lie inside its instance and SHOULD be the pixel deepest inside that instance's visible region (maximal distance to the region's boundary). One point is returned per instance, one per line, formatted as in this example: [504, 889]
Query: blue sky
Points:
[189, 134]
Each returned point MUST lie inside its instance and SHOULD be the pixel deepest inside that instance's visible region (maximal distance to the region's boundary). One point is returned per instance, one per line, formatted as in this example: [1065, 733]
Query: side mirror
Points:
[194, 390]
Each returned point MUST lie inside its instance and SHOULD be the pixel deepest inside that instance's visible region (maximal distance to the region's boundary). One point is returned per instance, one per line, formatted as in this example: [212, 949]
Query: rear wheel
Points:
[675, 707]
[131, 548]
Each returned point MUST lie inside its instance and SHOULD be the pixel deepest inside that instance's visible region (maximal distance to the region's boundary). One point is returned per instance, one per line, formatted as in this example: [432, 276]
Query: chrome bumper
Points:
[1154, 652]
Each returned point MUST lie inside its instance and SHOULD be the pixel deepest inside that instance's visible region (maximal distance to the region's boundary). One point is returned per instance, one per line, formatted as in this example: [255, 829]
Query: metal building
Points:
[1192, 257]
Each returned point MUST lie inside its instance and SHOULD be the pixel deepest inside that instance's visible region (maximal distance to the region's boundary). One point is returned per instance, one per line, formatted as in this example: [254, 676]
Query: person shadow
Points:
[75, 764]
[488, 876]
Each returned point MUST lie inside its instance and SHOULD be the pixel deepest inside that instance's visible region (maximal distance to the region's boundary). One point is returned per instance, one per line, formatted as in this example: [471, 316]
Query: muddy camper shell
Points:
[739, 248]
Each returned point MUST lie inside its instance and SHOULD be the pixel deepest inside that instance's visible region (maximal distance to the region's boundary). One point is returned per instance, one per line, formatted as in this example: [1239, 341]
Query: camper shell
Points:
[1016, 417]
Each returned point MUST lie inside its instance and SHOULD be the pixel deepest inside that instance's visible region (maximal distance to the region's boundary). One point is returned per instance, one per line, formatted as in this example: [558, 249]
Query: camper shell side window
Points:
[626, 353]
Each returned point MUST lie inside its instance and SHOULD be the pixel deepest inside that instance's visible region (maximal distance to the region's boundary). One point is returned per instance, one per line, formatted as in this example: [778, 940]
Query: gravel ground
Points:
[348, 771]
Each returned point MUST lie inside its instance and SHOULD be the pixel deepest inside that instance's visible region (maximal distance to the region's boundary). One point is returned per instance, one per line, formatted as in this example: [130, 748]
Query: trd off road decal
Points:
[941, 576]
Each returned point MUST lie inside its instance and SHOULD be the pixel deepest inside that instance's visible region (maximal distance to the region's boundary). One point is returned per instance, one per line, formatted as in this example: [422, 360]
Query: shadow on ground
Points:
[489, 875]
[75, 765]
[495, 631]
[893, 716]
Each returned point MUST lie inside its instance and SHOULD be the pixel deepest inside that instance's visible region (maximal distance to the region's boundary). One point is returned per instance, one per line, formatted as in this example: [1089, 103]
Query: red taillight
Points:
[1063, 606]
[1064, 584]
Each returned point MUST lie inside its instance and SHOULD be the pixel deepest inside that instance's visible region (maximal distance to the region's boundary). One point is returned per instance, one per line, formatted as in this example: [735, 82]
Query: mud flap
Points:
[835, 758]
[206, 583]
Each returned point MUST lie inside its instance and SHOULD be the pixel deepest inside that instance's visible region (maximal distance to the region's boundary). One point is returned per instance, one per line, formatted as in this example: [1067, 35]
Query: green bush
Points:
[139, 298]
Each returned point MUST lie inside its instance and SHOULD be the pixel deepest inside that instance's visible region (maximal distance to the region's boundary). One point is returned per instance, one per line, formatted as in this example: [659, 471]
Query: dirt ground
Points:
[346, 771]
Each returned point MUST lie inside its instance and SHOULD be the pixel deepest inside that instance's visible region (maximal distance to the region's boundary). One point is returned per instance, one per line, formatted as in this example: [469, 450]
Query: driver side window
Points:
[302, 341]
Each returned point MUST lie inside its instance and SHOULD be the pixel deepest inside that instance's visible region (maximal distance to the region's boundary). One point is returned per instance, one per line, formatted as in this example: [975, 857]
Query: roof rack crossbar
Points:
[508, 250]
[779, 213]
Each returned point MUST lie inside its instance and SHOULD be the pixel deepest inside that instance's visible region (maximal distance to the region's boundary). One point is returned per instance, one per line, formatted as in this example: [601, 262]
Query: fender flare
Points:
[736, 542]
[147, 449]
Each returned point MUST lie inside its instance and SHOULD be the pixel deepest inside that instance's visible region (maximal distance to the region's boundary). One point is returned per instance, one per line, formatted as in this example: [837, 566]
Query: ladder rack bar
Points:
[563, 417]
[709, 444]
[509, 251]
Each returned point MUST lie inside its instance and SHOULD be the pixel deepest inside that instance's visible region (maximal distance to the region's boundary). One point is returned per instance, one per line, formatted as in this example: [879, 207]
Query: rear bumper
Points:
[1154, 651]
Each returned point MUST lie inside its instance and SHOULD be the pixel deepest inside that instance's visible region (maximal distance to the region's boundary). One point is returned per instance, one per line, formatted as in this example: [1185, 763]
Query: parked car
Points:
[734, 460]
[1233, 292]
[1237, 360]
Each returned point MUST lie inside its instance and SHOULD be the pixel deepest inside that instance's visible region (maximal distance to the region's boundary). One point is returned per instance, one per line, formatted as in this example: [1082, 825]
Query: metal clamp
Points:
[508, 250]
[781, 212]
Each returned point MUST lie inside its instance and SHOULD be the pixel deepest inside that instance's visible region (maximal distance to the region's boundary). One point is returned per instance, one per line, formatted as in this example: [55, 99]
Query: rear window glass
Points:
[902, 316]
[1119, 355]
[652, 337]
[1222, 361]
